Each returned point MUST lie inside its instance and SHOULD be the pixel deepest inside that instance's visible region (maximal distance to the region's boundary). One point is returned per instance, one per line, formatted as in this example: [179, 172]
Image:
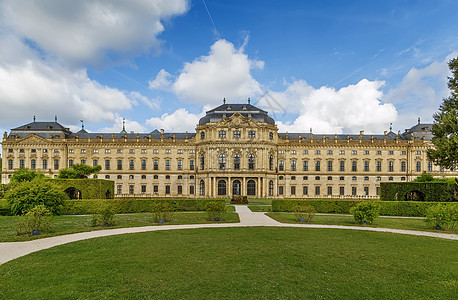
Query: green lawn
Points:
[71, 224]
[239, 263]
[257, 208]
[398, 223]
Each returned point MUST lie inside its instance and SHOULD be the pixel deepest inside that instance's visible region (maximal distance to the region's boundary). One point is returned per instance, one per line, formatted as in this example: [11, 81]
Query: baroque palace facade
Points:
[236, 150]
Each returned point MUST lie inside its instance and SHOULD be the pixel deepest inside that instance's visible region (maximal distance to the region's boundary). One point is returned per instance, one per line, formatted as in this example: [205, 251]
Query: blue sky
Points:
[333, 66]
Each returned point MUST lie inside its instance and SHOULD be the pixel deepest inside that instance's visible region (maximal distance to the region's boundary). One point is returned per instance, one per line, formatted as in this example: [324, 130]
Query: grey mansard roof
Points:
[227, 110]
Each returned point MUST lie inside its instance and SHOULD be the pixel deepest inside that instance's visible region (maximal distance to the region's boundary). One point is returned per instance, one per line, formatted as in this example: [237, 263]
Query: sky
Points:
[326, 66]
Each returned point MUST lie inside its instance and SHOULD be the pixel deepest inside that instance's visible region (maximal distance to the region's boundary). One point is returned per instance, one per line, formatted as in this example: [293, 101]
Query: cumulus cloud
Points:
[90, 31]
[326, 110]
[162, 81]
[131, 126]
[224, 72]
[180, 120]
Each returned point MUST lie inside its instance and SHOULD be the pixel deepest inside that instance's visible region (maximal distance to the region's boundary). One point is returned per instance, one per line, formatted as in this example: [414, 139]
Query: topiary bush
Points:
[162, 211]
[365, 212]
[35, 221]
[28, 194]
[304, 213]
[443, 216]
[104, 216]
[215, 210]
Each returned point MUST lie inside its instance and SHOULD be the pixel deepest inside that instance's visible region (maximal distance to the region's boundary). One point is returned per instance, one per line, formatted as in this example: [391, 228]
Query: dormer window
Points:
[251, 134]
[244, 107]
[228, 108]
[222, 134]
[236, 134]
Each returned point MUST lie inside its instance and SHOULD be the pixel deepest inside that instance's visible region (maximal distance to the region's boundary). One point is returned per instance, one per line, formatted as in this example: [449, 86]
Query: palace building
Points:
[235, 150]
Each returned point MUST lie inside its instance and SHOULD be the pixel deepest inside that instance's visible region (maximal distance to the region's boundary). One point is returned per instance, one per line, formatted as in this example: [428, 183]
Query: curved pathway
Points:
[13, 250]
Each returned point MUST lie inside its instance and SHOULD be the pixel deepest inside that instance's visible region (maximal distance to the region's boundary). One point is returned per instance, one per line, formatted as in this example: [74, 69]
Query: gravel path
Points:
[13, 250]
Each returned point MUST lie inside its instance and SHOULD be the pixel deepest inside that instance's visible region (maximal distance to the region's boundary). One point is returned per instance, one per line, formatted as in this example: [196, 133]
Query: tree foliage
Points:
[78, 171]
[445, 128]
[23, 175]
[29, 194]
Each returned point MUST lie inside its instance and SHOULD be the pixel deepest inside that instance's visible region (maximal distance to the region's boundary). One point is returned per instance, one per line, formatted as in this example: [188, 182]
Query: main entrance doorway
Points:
[236, 188]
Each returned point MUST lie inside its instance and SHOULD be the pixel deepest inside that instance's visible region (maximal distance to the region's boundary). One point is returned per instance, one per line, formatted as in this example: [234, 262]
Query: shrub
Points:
[28, 194]
[37, 220]
[304, 213]
[365, 212]
[5, 209]
[104, 216]
[215, 210]
[162, 211]
[239, 200]
[442, 216]
[23, 175]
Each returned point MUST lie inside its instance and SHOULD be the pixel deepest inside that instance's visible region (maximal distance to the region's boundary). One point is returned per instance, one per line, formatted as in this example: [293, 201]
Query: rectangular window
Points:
[167, 189]
[21, 163]
[55, 150]
[366, 191]
[342, 152]
[329, 190]
[280, 190]
[305, 165]
[131, 164]
[143, 164]
[119, 151]
[341, 190]
[143, 187]
[391, 152]
[155, 189]
[354, 152]
[33, 164]
[119, 164]
[70, 163]
[329, 165]
[306, 152]
[156, 151]
[377, 190]
[107, 164]
[180, 165]
[430, 166]
[317, 165]
[305, 190]
[119, 189]
[167, 151]
[167, 165]
[353, 166]
[179, 189]
[293, 165]
[418, 166]
[403, 152]
[191, 165]
[342, 166]
[379, 166]
[366, 152]
[56, 164]
[329, 151]
[107, 150]
[281, 165]
[353, 190]
[45, 150]
[366, 166]
[95, 162]
[96, 150]
[293, 151]
[83, 161]
[191, 151]
[156, 164]
[70, 150]
[83, 150]
[390, 166]
[45, 163]
[191, 189]
[143, 151]
[132, 151]
[131, 189]
[417, 152]
[179, 151]
[379, 152]
[317, 190]
[403, 166]
[317, 152]
[293, 190]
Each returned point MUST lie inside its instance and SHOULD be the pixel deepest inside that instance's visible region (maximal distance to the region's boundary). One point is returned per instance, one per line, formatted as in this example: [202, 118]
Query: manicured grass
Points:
[72, 224]
[256, 208]
[397, 223]
[239, 263]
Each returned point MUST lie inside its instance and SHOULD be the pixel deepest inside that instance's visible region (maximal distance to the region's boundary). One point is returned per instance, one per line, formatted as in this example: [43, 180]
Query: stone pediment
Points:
[32, 139]
[237, 120]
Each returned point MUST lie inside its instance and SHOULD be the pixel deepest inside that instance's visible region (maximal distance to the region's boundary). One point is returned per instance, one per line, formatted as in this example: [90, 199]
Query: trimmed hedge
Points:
[433, 191]
[90, 188]
[387, 208]
[5, 209]
[82, 207]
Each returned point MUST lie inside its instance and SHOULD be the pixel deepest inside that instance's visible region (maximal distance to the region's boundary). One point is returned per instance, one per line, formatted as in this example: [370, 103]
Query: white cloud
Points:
[225, 72]
[326, 110]
[162, 81]
[90, 30]
[181, 120]
[131, 126]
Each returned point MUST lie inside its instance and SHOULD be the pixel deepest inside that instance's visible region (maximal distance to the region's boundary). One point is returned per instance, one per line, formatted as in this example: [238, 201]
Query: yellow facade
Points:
[231, 155]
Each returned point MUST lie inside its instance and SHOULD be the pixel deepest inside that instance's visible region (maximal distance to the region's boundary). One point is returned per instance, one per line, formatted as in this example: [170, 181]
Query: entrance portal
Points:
[251, 188]
[236, 188]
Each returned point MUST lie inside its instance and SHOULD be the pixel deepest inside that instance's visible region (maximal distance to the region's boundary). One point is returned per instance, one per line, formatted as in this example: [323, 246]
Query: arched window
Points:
[221, 188]
[251, 162]
[202, 135]
[236, 162]
[202, 188]
[271, 188]
[236, 188]
[251, 188]
[202, 162]
[222, 161]
[271, 163]
[271, 135]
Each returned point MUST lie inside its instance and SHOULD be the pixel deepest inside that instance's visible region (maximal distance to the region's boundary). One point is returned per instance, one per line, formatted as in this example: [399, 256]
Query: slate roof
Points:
[227, 110]
[41, 126]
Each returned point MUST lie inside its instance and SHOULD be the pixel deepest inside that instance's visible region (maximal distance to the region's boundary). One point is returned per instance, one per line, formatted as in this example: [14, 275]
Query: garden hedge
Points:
[90, 188]
[388, 208]
[432, 191]
[5, 209]
[79, 207]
